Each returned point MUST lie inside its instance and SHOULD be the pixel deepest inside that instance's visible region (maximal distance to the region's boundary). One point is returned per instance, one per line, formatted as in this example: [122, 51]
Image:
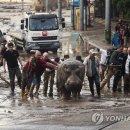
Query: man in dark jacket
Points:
[11, 56]
[115, 62]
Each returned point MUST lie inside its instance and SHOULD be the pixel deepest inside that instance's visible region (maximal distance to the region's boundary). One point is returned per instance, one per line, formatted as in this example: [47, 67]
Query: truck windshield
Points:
[38, 24]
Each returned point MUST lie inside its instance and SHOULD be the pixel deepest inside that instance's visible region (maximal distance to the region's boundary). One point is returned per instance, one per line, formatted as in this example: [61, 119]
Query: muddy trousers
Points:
[26, 81]
[48, 77]
[91, 80]
[127, 84]
[12, 72]
[117, 78]
[103, 69]
[109, 74]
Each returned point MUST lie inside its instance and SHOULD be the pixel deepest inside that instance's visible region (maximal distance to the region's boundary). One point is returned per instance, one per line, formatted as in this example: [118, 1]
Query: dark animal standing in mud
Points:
[70, 77]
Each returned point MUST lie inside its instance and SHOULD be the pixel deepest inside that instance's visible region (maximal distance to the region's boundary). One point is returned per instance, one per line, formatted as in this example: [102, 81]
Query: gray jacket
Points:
[88, 65]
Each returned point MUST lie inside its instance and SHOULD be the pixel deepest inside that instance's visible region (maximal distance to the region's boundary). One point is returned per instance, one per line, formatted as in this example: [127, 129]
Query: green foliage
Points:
[114, 2]
[122, 6]
[128, 14]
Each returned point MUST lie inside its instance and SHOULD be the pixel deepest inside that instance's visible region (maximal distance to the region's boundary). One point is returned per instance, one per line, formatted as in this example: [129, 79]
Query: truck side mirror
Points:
[22, 26]
[22, 21]
[63, 22]
[63, 25]
[26, 25]
[62, 19]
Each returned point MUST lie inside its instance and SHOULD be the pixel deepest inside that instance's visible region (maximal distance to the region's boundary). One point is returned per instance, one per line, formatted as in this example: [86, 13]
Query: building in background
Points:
[40, 5]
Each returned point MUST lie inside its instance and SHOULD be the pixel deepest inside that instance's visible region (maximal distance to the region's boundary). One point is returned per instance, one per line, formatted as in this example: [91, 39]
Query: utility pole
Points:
[47, 3]
[85, 14]
[60, 10]
[89, 19]
[81, 15]
[108, 21]
[72, 15]
[22, 6]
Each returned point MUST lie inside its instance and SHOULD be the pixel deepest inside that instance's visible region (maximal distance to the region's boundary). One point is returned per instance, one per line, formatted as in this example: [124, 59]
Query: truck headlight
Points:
[56, 43]
[31, 44]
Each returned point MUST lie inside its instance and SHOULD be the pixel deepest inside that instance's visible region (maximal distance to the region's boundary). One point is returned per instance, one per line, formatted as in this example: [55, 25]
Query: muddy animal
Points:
[70, 77]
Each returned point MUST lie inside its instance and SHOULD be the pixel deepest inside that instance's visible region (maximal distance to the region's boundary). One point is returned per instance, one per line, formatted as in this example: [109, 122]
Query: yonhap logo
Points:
[97, 118]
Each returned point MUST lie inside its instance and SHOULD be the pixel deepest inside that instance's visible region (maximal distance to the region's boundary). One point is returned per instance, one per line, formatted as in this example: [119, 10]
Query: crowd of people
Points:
[122, 34]
[99, 69]
[29, 73]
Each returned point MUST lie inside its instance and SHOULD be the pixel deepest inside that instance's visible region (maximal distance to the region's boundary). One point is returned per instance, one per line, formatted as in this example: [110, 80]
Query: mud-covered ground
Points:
[55, 113]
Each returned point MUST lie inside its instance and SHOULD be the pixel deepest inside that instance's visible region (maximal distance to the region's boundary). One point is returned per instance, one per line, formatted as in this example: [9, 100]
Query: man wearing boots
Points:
[38, 65]
[49, 75]
[127, 75]
[114, 64]
[27, 73]
[91, 63]
[11, 56]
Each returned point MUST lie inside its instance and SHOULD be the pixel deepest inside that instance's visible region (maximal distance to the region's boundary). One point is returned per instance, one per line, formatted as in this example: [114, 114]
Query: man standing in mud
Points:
[91, 63]
[38, 64]
[11, 56]
[49, 75]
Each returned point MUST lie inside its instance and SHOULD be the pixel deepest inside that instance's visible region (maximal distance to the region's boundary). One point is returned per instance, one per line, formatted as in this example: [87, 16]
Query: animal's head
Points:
[74, 74]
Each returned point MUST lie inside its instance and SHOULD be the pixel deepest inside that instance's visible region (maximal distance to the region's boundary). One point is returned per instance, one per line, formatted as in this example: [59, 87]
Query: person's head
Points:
[92, 53]
[32, 52]
[120, 21]
[117, 29]
[38, 54]
[66, 57]
[126, 26]
[45, 55]
[125, 50]
[128, 51]
[10, 46]
[120, 48]
[5, 42]
[79, 58]
[57, 59]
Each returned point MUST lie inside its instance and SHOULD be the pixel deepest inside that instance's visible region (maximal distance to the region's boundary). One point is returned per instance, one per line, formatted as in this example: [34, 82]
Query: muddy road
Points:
[54, 113]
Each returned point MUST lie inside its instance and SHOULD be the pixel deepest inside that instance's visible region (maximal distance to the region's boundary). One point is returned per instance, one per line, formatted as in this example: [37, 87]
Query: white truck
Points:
[39, 31]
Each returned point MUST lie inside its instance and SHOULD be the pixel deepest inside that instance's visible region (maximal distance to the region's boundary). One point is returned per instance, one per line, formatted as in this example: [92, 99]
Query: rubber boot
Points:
[51, 91]
[31, 92]
[26, 93]
[22, 93]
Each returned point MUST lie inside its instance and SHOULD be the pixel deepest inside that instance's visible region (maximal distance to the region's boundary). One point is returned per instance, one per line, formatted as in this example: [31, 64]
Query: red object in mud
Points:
[44, 34]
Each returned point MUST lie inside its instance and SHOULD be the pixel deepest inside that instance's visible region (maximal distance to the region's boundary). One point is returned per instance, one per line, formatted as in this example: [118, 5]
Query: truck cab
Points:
[41, 32]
